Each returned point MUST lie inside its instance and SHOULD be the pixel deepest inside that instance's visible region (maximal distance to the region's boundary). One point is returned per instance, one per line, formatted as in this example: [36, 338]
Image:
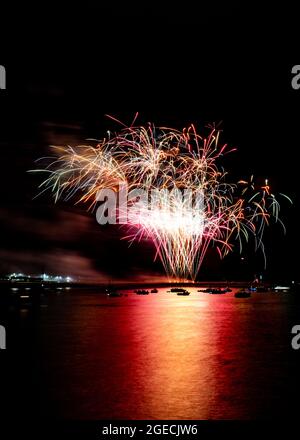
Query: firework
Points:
[188, 204]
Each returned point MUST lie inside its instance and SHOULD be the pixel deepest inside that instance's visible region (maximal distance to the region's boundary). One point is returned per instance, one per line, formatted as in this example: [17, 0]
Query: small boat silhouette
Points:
[243, 293]
[142, 292]
[215, 291]
[183, 293]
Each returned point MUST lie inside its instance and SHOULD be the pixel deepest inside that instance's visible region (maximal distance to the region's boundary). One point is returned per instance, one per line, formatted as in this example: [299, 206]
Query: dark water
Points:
[162, 356]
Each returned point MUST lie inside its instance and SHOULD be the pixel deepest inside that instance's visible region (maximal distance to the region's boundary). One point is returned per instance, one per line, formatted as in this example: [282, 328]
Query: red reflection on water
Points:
[163, 356]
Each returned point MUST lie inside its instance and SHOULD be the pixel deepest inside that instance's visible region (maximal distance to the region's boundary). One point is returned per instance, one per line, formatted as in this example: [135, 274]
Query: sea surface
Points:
[83, 355]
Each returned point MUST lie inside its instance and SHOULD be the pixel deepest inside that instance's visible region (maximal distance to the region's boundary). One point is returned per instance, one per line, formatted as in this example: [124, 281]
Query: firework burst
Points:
[191, 207]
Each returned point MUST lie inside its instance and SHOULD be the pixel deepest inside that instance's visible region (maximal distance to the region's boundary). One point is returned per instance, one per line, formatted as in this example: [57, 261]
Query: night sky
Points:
[68, 67]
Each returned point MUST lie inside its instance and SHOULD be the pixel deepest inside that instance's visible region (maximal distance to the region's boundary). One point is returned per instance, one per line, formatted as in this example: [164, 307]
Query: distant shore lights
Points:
[44, 277]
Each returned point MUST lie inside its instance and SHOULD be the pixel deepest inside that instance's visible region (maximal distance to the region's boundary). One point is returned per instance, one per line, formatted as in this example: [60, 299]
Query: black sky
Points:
[67, 66]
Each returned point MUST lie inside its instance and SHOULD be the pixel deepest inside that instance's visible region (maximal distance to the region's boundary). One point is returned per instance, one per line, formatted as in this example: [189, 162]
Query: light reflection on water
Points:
[163, 356]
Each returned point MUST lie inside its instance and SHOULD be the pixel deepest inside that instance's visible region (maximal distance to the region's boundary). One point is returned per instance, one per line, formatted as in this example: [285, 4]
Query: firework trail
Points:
[167, 163]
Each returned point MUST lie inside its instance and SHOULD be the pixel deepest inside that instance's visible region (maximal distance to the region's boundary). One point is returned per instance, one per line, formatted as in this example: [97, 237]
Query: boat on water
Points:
[218, 291]
[177, 290]
[154, 290]
[282, 288]
[112, 293]
[261, 289]
[243, 293]
[215, 291]
[184, 293]
[258, 287]
[142, 292]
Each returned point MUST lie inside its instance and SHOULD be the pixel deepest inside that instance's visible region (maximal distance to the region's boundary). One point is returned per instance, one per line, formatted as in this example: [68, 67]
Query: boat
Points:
[282, 288]
[215, 291]
[243, 293]
[154, 290]
[113, 293]
[183, 293]
[261, 289]
[218, 291]
[177, 290]
[142, 292]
